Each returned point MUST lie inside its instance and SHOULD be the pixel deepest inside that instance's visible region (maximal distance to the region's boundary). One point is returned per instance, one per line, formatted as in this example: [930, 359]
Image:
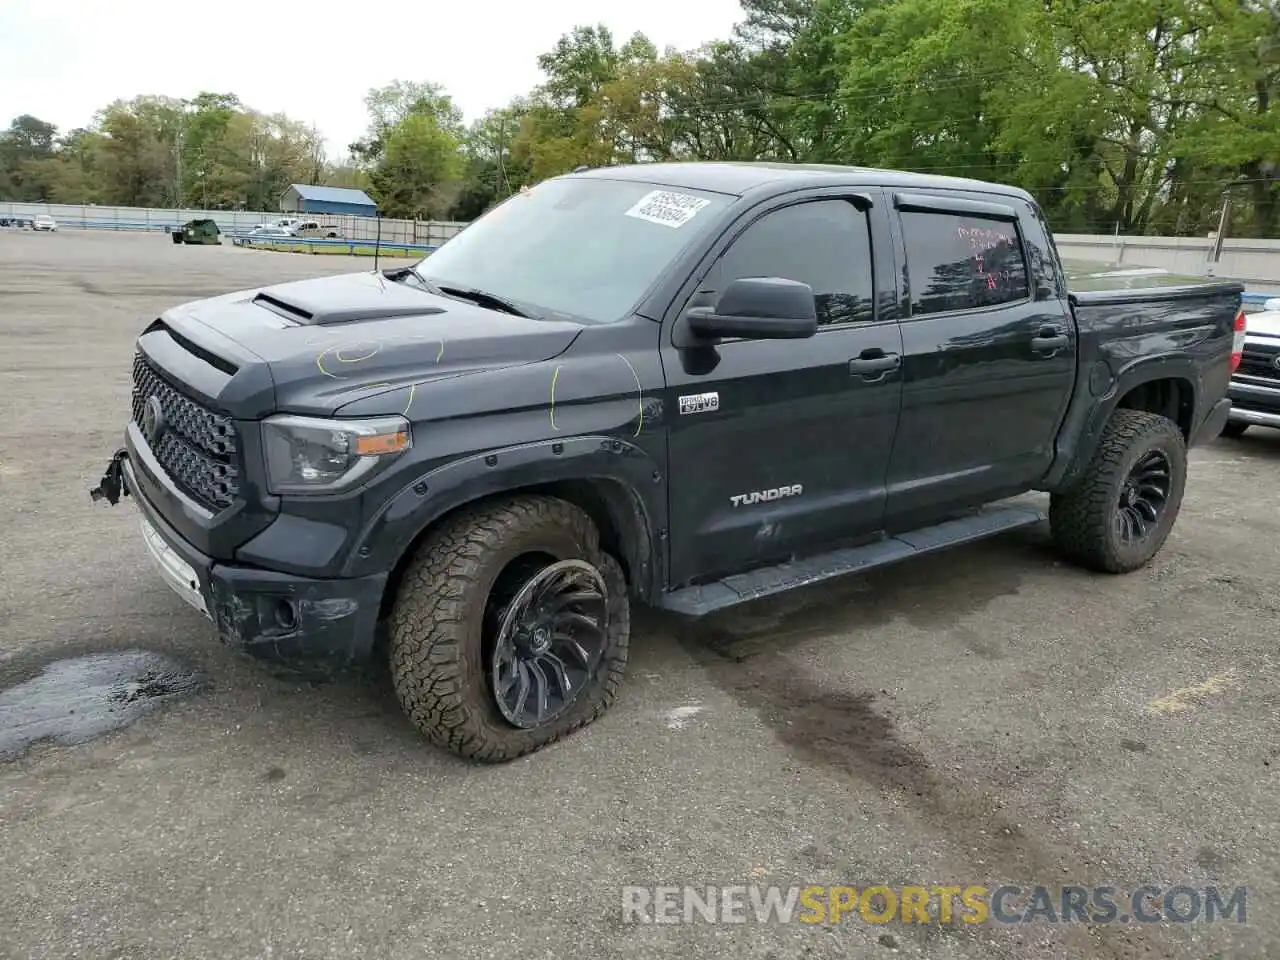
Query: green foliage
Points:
[419, 172]
[1129, 115]
[210, 151]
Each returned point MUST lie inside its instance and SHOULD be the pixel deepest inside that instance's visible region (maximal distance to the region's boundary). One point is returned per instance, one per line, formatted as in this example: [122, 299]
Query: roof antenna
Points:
[377, 243]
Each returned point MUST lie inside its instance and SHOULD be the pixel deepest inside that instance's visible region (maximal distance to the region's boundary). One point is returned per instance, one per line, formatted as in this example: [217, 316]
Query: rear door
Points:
[781, 446]
[989, 355]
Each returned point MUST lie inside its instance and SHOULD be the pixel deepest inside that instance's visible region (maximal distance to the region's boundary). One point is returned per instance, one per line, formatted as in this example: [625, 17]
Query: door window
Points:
[962, 262]
[824, 243]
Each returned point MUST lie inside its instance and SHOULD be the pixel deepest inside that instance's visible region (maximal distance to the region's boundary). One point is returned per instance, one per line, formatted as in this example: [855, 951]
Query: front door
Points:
[781, 446]
[989, 361]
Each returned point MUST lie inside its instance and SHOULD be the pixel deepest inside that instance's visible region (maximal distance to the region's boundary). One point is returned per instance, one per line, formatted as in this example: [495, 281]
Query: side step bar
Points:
[698, 601]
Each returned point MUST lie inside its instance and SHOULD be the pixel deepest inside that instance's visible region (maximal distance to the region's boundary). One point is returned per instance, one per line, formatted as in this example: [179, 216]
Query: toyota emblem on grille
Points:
[152, 418]
[1276, 361]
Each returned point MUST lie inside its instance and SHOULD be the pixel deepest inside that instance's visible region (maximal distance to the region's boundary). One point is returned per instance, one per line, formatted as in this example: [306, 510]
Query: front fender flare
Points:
[393, 529]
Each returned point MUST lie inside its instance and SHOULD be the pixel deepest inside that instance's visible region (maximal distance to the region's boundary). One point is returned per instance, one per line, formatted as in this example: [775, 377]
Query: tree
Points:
[419, 172]
[1140, 116]
[140, 151]
[391, 105]
[493, 172]
[24, 148]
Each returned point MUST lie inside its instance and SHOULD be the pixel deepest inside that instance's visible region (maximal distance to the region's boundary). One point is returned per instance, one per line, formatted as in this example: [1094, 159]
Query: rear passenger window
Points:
[824, 243]
[962, 262]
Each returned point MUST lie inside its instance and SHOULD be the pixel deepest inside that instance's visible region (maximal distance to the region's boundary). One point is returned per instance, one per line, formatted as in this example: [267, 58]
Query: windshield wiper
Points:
[400, 274]
[482, 297]
[486, 299]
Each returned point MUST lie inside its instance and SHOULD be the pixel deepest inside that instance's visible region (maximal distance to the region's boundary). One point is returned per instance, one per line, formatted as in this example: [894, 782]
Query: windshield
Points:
[582, 249]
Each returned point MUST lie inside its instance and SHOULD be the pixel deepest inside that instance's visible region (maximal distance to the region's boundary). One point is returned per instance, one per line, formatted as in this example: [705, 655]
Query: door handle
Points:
[874, 362]
[1049, 339]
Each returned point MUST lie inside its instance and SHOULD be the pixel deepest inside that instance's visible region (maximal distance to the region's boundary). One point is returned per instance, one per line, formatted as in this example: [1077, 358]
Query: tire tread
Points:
[1080, 519]
[432, 618]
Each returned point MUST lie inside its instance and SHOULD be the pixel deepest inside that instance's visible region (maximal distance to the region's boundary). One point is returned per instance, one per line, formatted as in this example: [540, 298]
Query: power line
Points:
[884, 90]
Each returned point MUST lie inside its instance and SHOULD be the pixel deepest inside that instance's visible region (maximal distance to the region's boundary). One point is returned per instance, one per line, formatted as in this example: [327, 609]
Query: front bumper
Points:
[1254, 403]
[265, 612]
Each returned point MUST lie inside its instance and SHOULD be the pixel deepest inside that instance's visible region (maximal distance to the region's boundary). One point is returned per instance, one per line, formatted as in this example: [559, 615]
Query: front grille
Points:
[197, 448]
[1259, 361]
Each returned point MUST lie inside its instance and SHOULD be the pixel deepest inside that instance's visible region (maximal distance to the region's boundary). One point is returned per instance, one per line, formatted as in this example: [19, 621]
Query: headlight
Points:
[311, 455]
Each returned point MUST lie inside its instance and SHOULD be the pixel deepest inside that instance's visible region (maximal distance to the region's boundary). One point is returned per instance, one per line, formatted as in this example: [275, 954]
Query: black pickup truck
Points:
[682, 385]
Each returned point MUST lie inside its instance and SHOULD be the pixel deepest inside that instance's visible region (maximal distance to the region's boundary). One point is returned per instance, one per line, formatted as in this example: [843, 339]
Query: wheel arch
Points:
[1172, 397]
[1165, 386]
[615, 483]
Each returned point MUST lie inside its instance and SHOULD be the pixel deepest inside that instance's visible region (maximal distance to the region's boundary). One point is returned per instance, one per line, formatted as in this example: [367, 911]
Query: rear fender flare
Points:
[630, 478]
[1135, 374]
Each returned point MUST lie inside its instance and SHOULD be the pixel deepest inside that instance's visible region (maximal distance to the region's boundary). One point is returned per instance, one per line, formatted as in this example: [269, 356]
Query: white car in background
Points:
[1255, 385]
[44, 222]
[285, 223]
[269, 231]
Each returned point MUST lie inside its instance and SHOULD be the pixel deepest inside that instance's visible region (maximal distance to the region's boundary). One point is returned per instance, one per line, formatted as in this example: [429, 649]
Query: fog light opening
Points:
[286, 614]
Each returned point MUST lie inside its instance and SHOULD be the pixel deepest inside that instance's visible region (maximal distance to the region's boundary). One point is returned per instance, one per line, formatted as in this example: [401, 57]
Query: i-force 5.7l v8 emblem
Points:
[765, 496]
[700, 403]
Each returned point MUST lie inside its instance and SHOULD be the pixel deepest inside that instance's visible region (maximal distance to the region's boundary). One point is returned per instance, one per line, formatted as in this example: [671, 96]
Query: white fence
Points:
[232, 222]
[1256, 262]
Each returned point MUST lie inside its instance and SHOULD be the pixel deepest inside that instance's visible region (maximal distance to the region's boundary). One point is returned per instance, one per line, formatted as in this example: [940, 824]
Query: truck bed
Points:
[1092, 282]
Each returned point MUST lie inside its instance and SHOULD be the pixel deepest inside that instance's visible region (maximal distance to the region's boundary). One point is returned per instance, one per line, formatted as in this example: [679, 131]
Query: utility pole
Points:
[1215, 251]
[177, 166]
[502, 149]
[178, 137]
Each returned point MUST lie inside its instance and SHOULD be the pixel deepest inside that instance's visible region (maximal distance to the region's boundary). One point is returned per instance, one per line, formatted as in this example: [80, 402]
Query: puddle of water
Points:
[73, 701]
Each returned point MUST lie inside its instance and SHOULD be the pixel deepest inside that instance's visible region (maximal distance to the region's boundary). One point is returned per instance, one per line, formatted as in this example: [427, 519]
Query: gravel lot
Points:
[987, 716]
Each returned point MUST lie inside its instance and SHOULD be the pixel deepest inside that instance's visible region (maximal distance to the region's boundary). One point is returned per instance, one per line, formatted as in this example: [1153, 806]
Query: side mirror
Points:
[758, 308]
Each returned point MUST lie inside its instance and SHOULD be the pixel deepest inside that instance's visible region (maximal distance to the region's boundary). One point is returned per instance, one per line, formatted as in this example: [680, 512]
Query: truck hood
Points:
[313, 346]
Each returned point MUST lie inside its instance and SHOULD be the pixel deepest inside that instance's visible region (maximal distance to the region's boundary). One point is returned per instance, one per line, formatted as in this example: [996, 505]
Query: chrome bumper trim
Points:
[175, 571]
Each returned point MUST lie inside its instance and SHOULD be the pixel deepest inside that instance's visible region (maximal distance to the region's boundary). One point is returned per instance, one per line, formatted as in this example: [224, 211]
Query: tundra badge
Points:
[765, 496]
[700, 403]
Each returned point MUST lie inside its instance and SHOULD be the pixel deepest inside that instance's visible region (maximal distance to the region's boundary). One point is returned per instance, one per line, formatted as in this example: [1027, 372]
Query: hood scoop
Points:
[321, 304]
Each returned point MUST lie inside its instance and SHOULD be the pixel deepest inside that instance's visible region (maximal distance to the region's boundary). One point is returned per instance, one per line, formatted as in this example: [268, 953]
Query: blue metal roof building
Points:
[305, 198]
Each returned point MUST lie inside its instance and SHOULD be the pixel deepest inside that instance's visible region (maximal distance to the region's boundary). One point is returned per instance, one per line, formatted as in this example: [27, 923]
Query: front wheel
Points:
[1118, 516]
[510, 629]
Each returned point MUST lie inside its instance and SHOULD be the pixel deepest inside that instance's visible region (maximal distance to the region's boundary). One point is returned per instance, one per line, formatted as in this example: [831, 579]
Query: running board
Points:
[707, 598]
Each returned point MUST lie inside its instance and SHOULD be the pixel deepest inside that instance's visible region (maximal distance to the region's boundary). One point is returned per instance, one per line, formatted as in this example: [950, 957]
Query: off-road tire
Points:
[438, 666]
[1082, 519]
[1232, 429]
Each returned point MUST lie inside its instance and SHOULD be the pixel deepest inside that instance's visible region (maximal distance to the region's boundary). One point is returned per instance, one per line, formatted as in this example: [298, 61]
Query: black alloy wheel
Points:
[1143, 497]
[547, 639]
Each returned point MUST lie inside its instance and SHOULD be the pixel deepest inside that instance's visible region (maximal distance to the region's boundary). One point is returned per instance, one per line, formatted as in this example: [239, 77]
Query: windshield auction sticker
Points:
[667, 208]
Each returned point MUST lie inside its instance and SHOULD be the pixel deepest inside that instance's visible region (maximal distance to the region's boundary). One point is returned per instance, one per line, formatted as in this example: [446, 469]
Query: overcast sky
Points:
[66, 60]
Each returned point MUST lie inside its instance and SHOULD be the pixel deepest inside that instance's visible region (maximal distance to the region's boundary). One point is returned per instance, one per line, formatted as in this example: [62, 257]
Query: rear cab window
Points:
[962, 261]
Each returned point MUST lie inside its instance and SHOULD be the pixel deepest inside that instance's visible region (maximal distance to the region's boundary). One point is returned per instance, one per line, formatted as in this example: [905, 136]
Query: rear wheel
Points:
[510, 629]
[1119, 514]
[1233, 428]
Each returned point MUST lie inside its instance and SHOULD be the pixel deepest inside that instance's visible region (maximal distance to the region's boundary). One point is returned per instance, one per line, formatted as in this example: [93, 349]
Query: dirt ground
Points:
[984, 717]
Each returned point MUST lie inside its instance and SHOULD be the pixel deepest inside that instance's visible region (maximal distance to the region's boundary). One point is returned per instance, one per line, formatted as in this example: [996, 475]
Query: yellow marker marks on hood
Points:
[554, 377]
[639, 393]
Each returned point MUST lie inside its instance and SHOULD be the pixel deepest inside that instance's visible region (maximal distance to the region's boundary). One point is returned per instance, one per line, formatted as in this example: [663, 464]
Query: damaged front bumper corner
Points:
[111, 486]
[265, 612]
